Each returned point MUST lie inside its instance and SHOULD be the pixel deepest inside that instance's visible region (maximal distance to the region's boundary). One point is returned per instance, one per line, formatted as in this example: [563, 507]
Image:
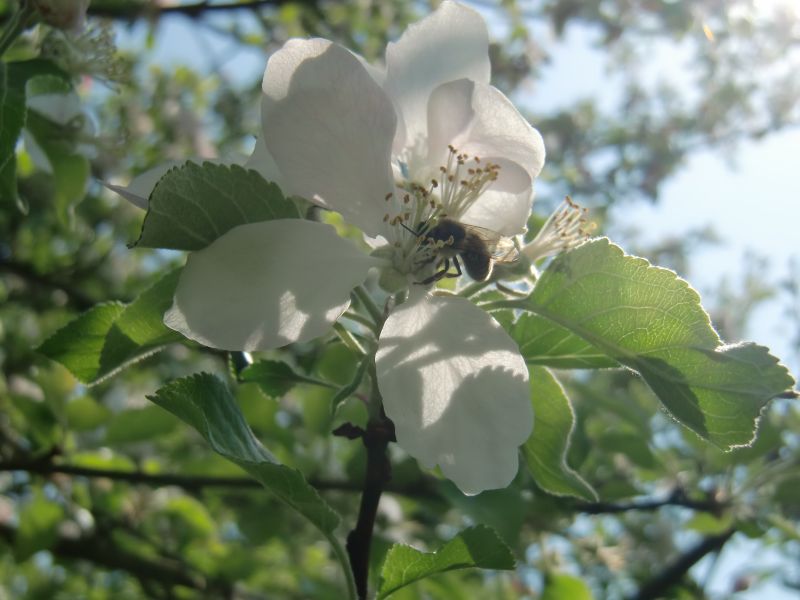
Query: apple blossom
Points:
[393, 150]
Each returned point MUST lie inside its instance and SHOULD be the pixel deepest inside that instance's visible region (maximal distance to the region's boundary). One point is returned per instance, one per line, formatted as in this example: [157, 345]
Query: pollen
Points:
[463, 185]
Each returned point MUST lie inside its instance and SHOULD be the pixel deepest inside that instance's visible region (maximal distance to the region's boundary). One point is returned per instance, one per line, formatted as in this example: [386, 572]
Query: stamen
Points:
[563, 230]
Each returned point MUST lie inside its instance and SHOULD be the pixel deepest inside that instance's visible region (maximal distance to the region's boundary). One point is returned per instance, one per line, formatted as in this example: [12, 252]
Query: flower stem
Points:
[376, 439]
[348, 339]
[342, 557]
[16, 25]
[498, 304]
[374, 311]
[473, 288]
[361, 319]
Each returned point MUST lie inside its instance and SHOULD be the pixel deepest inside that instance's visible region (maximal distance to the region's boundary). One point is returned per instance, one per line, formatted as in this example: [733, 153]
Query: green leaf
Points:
[504, 510]
[71, 175]
[543, 342]
[12, 120]
[547, 447]
[138, 425]
[111, 336]
[85, 414]
[38, 526]
[205, 403]
[561, 586]
[276, 378]
[632, 445]
[651, 321]
[193, 205]
[14, 77]
[59, 143]
[348, 390]
[477, 547]
[709, 524]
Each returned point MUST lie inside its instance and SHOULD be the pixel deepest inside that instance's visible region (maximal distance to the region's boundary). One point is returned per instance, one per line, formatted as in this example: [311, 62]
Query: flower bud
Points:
[68, 15]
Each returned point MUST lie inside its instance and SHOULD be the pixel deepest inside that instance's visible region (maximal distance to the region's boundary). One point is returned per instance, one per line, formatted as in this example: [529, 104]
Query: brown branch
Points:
[376, 439]
[423, 488]
[192, 483]
[676, 498]
[194, 10]
[100, 550]
[675, 572]
[188, 482]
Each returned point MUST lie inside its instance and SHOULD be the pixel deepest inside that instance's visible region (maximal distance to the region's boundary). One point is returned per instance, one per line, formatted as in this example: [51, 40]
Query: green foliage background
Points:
[106, 492]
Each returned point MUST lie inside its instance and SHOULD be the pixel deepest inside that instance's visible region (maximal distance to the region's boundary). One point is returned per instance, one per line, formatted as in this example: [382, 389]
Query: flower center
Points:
[419, 208]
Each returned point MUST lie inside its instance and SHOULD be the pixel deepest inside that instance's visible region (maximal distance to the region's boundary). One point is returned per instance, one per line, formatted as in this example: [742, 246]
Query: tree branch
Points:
[99, 549]
[188, 482]
[674, 572]
[197, 9]
[376, 439]
[420, 490]
[677, 498]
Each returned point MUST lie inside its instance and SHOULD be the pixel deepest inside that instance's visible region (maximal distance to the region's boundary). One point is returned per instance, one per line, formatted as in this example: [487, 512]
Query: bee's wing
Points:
[502, 249]
[506, 250]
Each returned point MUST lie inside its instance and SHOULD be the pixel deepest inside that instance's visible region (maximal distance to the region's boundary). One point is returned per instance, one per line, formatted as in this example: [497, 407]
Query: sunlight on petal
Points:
[451, 43]
[455, 386]
[265, 285]
[329, 127]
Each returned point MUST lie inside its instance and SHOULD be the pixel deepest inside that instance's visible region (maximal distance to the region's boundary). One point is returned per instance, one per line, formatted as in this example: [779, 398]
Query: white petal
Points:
[499, 131]
[329, 126]
[264, 285]
[261, 160]
[451, 43]
[455, 386]
[479, 120]
[503, 211]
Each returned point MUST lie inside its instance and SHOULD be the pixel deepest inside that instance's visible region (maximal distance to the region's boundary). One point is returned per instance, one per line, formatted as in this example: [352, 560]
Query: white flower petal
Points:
[264, 285]
[451, 43]
[503, 211]
[455, 386]
[261, 160]
[329, 126]
[499, 131]
[479, 120]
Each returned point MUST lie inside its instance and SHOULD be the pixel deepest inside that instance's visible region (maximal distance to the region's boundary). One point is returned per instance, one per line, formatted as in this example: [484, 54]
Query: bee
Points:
[479, 248]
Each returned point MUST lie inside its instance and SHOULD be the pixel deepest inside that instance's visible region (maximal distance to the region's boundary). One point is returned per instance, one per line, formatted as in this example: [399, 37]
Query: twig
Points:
[188, 482]
[424, 488]
[674, 572]
[150, 9]
[676, 498]
[193, 483]
[376, 439]
[99, 549]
